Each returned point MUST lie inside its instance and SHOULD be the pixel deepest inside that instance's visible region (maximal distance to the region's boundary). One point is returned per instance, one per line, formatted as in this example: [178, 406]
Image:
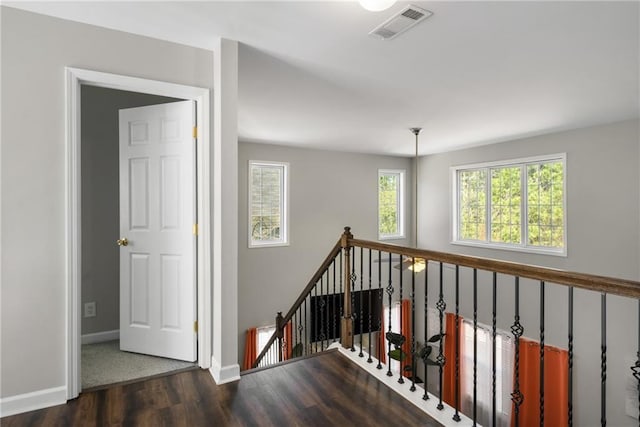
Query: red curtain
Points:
[250, 348]
[556, 380]
[382, 349]
[405, 329]
[449, 371]
[287, 350]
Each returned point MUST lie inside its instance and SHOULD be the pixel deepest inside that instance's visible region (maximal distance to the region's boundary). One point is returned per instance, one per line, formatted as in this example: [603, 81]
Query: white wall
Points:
[328, 190]
[35, 50]
[602, 220]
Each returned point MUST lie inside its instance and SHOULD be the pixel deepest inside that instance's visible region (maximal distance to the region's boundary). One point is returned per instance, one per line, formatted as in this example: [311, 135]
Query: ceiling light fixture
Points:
[415, 264]
[376, 5]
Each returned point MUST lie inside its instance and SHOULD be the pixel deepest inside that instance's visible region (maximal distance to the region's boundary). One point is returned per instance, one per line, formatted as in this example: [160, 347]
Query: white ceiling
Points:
[474, 73]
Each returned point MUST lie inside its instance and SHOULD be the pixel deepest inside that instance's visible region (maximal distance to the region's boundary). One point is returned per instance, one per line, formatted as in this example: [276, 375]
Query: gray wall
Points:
[100, 201]
[35, 50]
[327, 191]
[602, 224]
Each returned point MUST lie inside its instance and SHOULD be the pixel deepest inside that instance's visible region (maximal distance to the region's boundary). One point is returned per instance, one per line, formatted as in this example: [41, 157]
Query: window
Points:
[390, 204]
[262, 337]
[517, 205]
[504, 374]
[267, 204]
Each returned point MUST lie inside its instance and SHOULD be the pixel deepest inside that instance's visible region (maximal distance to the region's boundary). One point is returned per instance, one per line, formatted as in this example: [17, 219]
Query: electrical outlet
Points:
[90, 309]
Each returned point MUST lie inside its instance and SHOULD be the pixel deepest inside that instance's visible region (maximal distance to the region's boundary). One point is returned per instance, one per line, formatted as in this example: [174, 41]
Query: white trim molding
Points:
[224, 374]
[75, 78]
[31, 401]
[99, 337]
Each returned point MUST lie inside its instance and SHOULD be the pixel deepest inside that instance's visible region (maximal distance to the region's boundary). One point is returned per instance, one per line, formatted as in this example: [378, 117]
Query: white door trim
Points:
[76, 77]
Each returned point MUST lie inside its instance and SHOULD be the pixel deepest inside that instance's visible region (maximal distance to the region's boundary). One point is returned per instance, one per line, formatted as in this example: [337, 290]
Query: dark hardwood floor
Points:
[327, 390]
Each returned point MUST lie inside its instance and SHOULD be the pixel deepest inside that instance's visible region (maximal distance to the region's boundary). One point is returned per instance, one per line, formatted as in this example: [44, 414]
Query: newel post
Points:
[346, 325]
[279, 334]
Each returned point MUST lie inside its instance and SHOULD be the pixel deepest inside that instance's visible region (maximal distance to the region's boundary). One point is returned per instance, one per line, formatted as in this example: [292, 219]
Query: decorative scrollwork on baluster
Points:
[516, 396]
[441, 306]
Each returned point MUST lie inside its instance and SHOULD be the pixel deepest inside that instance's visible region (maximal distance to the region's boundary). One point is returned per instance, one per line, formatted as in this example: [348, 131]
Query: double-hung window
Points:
[518, 205]
[268, 195]
[390, 204]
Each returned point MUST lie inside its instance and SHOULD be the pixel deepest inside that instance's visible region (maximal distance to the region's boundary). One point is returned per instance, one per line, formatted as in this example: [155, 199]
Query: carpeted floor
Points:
[104, 363]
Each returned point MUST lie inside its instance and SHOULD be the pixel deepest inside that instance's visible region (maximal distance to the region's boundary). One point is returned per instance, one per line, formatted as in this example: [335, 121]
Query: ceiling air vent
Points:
[400, 22]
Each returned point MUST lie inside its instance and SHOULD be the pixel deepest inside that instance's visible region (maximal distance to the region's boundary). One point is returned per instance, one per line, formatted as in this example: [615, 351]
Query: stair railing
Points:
[299, 331]
[353, 284]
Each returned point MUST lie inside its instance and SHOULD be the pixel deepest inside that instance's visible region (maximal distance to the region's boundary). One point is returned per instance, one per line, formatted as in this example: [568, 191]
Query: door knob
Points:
[122, 242]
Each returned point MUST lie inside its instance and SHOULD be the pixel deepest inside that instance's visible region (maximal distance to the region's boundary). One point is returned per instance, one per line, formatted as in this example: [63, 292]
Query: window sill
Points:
[267, 245]
[524, 249]
[398, 237]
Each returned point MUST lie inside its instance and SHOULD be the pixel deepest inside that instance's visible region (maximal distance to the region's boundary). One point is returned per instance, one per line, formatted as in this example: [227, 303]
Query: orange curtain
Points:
[287, 351]
[449, 371]
[556, 381]
[382, 350]
[405, 329]
[250, 348]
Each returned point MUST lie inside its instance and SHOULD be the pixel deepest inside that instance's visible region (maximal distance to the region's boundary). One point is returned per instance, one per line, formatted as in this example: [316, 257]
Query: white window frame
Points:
[524, 231]
[400, 202]
[284, 207]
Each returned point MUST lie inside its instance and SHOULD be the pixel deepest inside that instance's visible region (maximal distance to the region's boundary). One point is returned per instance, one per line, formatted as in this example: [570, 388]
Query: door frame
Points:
[74, 79]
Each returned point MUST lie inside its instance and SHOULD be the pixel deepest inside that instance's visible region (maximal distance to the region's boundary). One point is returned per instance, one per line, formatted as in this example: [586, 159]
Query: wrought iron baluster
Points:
[327, 317]
[456, 415]
[333, 303]
[475, 346]
[636, 367]
[369, 360]
[494, 334]
[315, 318]
[426, 327]
[401, 377]
[320, 302]
[341, 298]
[299, 330]
[517, 330]
[361, 354]
[352, 285]
[413, 325]
[441, 306]
[390, 293]
[307, 344]
[603, 360]
[541, 353]
[380, 315]
[570, 338]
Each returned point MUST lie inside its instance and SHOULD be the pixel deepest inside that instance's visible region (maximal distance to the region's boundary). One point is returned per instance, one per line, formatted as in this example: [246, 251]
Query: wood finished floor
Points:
[327, 390]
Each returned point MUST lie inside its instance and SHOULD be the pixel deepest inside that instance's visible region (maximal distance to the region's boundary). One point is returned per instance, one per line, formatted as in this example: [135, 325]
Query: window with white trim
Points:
[484, 363]
[262, 337]
[268, 195]
[518, 205]
[390, 204]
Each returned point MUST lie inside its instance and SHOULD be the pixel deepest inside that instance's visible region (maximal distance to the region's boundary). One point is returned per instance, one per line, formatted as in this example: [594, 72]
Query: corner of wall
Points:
[224, 374]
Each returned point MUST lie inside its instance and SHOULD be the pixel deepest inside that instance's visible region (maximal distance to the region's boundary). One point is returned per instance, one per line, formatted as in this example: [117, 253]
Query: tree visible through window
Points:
[267, 203]
[390, 201]
[517, 204]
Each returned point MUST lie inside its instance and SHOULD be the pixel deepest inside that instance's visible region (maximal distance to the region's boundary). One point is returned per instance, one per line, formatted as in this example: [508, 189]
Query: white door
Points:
[157, 217]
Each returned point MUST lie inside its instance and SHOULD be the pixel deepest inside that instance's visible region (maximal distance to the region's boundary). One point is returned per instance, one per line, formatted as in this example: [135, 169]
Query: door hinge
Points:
[195, 326]
[195, 229]
[195, 131]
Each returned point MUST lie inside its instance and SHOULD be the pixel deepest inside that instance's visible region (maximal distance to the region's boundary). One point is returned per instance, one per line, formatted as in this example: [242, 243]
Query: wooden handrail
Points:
[603, 284]
[303, 295]
[609, 285]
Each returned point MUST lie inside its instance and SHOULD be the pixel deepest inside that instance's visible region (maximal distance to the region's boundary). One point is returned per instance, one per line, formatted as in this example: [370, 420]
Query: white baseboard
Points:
[101, 337]
[444, 416]
[31, 401]
[222, 375]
